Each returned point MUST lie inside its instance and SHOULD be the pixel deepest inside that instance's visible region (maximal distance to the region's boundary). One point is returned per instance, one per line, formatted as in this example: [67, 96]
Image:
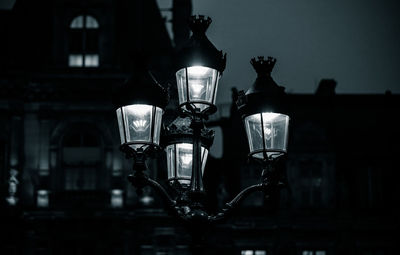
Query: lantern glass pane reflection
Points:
[139, 125]
[200, 83]
[267, 129]
[179, 161]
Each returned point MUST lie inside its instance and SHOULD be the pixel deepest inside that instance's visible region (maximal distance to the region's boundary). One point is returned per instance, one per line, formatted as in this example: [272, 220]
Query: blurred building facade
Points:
[63, 178]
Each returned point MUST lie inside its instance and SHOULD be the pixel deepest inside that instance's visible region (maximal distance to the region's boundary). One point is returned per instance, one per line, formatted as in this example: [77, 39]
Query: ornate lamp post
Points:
[186, 141]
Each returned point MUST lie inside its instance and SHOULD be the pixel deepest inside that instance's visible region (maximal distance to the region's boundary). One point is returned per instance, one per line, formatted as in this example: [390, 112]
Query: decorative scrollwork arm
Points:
[233, 204]
[142, 180]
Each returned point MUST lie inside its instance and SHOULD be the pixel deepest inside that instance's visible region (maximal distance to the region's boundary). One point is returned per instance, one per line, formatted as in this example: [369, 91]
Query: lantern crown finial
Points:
[263, 66]
[198, 50]
[199, 24]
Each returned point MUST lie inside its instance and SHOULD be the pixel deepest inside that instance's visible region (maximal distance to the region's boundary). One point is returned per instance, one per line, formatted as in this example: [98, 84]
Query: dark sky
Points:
[6, 4]
[355, 42]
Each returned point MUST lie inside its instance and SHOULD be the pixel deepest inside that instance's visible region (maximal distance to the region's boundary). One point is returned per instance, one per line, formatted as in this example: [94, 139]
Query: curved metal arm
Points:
[140, 181]
[160, 189]
[189, 205]
[230, 206]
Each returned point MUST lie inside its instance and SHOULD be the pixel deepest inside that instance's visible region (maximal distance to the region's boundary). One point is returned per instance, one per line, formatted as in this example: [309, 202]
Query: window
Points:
[84, 42]
[313, 252]
[42, 198]
[117, 200]
[253, 252]
[81, 156]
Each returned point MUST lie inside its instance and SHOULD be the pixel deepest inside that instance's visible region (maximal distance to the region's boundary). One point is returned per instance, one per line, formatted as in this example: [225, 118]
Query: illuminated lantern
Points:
[263, 111]
[199, 68]
[179, 150]
[140, 104]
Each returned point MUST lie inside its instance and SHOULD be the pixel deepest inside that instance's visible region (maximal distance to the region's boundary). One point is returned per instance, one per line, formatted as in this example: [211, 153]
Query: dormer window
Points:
[83, 42]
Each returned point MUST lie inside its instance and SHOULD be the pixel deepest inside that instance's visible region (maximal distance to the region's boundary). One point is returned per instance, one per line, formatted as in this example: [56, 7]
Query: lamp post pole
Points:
[196, 182]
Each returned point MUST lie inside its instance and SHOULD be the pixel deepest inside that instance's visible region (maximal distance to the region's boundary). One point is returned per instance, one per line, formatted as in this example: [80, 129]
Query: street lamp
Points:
[139, 125]
[178, 143]
[186, 140]
[199, 66]
[140, 104]
[263, 111]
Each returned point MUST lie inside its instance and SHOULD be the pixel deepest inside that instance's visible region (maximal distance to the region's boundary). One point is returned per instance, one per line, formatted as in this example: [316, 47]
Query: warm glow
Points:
[139, 125]
[197, 70]
[42, 198]
[116, 192]
[186, 159]
[147, 200]
[117, 200]
[197, 89]
[140, 122]
[180, 160]
[141, 109]
[187, 156]
[42, 192]
[197, 84]
[269, 116]
[267, 131]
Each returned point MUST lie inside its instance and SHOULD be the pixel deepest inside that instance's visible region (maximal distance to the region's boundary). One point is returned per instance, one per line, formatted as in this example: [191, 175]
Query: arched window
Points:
[83, 42]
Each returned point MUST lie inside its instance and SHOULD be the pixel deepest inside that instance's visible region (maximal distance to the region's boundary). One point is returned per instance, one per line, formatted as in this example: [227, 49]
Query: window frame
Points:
[83, 56]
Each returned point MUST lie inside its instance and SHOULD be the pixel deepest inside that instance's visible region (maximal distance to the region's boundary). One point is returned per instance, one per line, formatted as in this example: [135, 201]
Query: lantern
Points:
[267, 133]
[140, 103]
[199, 68]
[179, 150]
[139, 125]
[263, 111]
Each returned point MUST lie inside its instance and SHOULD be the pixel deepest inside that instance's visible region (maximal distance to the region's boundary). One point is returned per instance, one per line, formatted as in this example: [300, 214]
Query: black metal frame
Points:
[189, 203]
[264, 150]
[188, 106]
[151, 145]
[175, 180]
[264, 96]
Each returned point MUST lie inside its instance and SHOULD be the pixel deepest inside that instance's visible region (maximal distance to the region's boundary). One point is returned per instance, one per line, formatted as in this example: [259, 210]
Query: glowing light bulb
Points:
[186, 159]
[197, 90]
[269, 116]
[140, 117]
[267, 131]
[141, 109]
[139, 125]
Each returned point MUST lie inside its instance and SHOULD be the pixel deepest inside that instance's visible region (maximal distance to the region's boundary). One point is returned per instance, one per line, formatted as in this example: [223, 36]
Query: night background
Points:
[63, 186]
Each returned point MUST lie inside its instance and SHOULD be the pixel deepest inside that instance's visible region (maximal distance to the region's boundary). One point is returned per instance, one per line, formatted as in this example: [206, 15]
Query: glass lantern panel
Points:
[121, 125]
[171, 160]
[184, 153]
[157, 125]
[179, 161]
[136, 125]
[274, 131]
[200, 83]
